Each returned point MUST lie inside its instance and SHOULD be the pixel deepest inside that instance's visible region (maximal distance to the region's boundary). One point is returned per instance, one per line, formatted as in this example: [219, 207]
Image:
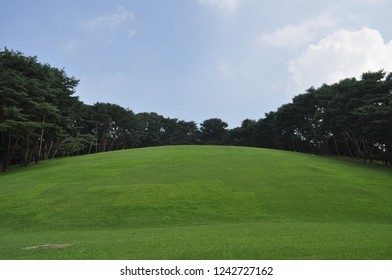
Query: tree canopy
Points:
[40, 118]
[37, 109]
[351, 118]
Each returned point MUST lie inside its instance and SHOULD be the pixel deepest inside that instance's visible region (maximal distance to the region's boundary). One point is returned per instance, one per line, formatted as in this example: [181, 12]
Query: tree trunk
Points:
[41, 139]
[336, 145]
[356, 145]
[13, 151]
[4, 156]
[367, 151]
[24, 160]
[49, 150]
[348, 147]
[388, 158]
[96, 140]
[89, 149]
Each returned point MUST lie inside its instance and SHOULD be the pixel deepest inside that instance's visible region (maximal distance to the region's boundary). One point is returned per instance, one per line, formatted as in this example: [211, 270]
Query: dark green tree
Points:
[30, 93]
[213, 131]
[150, 129]
[243, 135]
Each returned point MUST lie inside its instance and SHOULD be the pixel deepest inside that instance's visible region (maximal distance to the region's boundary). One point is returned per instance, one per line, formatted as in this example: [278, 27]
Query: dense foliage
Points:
[351, 118]
[40, 119]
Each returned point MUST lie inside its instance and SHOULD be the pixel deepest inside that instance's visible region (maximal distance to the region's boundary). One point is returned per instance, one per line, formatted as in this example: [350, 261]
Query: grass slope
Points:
[197, 202]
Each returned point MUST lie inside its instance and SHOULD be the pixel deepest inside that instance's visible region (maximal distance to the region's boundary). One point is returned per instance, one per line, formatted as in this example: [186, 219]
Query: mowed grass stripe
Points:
[266, 240]
[232, 197]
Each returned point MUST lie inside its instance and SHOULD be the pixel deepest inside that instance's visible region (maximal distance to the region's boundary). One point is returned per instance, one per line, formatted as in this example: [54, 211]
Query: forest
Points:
[40, 118]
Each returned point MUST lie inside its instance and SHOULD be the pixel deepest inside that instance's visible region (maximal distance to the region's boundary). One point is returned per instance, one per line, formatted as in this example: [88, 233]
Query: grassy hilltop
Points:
[196, 202]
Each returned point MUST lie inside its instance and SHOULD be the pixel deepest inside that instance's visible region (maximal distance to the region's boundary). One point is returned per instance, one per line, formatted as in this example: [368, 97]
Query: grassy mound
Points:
[196, 202]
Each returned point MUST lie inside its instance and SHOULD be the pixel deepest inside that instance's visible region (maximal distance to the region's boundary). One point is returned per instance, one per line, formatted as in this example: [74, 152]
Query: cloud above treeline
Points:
[342, 54]
[102, 28]
[291, 35]
[109, 22]
[252, 54]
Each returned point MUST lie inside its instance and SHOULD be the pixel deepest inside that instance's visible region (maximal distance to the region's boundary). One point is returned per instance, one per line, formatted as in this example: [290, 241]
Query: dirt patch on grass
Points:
[48, 246]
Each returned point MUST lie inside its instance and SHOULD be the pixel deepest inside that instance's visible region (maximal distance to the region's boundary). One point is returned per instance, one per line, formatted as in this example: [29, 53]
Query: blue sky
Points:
[199, 59]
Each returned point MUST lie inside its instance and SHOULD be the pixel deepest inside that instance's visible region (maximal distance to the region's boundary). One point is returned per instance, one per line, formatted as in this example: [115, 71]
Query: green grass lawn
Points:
[197, 202]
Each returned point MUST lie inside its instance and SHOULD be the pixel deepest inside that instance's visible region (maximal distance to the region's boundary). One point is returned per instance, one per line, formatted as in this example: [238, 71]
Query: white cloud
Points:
[342, 54]
[102, 30]
[228, 7]
[109, 22]
[291, 36]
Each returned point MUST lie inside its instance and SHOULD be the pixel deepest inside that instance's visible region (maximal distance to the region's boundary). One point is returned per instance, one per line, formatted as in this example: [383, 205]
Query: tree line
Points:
[40, 118]
[351, 118]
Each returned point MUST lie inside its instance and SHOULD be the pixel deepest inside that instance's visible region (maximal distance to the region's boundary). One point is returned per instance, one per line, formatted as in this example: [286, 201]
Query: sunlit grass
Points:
[197, 202]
